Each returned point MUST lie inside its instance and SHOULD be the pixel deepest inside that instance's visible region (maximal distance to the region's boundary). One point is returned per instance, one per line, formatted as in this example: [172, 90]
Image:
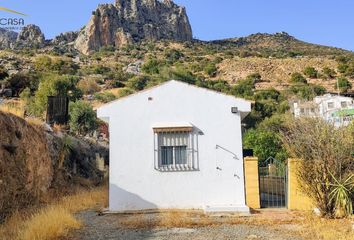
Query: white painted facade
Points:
[216, 180]
[326, 107]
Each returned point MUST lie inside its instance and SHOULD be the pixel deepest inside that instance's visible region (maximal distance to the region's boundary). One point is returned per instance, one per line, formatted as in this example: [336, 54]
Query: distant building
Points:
[333, 108]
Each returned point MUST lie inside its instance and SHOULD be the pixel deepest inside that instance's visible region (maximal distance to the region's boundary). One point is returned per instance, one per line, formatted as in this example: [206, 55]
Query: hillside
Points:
[274, 56]
[279, 43]
[34, 163]
[129, 46]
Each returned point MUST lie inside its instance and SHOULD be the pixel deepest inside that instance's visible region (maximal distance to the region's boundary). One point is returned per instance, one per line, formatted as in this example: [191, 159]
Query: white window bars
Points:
[176, 150]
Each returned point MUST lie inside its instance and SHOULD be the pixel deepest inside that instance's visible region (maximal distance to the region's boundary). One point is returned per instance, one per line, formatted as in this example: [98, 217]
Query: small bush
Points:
[254, 78]
[307, 92]
[343, 84]
[329, 72]
[3, 73]
[327, 154]
[267, 94]
[211, 69]
[311, 72]
[105, 97]
[56, 65]
[178, 73]
[82, 118]
[53, 85]
[151, 67]
[244, 88]
[173, 55]
[298, 78]
[22, 80]
[125, 92]
[138, 83]
[88, 86]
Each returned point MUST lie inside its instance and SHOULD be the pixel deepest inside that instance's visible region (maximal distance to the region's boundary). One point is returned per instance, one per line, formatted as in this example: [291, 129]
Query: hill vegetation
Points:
[270, 69]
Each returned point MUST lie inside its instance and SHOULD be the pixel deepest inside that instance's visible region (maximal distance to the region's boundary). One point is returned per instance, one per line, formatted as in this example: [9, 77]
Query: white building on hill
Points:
[176, 146]
[333, 108]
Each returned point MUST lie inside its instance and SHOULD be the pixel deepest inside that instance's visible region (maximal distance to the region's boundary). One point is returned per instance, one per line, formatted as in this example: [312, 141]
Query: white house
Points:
[333, 108]
[176, 146]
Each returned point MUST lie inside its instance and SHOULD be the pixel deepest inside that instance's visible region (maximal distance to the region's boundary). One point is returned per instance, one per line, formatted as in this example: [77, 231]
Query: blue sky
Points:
[324, 22]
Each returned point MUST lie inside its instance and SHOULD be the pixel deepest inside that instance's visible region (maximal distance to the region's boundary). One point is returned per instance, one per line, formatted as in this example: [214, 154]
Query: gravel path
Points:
[108, 227]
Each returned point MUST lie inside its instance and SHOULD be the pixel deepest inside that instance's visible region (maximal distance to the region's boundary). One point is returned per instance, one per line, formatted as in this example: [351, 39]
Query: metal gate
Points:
[273, 184]
[57, 110]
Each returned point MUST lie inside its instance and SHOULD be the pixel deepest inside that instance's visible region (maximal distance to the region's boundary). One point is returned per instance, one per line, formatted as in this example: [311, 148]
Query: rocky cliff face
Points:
[30, 36]
[129, 21]
[7, 38]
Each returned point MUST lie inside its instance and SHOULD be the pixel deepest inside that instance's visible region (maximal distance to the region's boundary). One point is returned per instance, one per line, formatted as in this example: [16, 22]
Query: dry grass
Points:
[49, 223]
[306, 225]
[314, 227]
[191, 219]
[168, 219]
[55, 219]
[36, 122]
[275, 72]
[15, 108]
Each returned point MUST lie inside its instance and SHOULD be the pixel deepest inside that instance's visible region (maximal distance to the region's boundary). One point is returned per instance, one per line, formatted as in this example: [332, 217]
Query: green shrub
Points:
[125, 92]
[151, 67]
[298, 78]
[211, 69]
[3, 73]
[329, 72]
[318, 90]
[179, 73]
[244, 88]
[254, 78]
[138, 83]
[343, 84]
[88, 86]
[264, 143]
[53, 85]
[82, 118]
[173, 55]
[105, 97]
[100, 69]
[311, 72]
[267, 94]
[342, 67]
[217, 85]
[350, 70]
[55, 65]
[265, 140]
[20, 81]
[307, 92]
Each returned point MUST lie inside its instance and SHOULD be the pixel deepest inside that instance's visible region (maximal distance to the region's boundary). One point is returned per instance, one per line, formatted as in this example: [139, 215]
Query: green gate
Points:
[273, 183]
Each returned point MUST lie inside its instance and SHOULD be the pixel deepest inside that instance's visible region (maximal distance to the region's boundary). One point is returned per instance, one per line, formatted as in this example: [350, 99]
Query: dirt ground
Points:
[272, 225]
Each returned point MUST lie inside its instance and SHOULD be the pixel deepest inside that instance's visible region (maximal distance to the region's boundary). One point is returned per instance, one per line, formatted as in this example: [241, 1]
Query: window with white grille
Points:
[176, 150]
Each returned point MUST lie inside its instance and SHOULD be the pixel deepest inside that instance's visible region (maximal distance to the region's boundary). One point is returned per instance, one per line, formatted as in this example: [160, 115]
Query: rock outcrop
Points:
[7, 38]
[30, 36]
[130, 21]
[65, 38]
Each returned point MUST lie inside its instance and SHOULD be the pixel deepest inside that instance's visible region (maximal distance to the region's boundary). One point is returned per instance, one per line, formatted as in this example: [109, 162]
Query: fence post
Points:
[252, 182]
[296, 199]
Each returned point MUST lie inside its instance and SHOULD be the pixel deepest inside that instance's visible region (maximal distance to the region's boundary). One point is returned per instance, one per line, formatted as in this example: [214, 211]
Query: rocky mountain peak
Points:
[129, 21]
[30, 36]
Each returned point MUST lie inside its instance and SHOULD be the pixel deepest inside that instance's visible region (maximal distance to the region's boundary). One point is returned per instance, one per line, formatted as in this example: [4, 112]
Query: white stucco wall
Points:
[136, 185]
